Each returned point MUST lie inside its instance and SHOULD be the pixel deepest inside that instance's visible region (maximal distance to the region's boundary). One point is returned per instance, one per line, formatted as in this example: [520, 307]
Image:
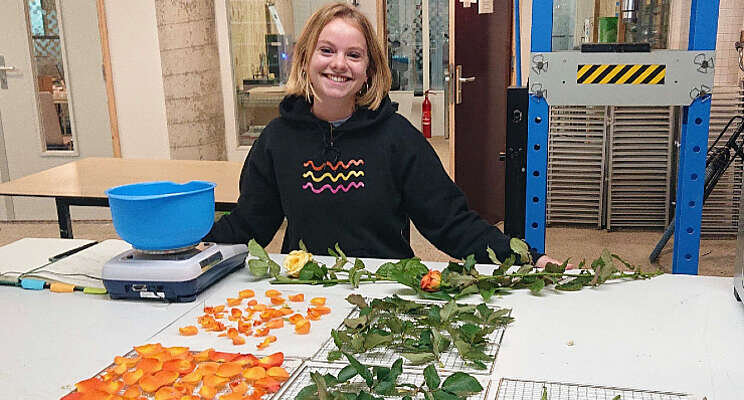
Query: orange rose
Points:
[431, 281]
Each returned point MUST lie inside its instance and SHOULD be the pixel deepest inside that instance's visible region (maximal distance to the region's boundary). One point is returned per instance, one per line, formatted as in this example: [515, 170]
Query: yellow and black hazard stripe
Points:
[620, 74]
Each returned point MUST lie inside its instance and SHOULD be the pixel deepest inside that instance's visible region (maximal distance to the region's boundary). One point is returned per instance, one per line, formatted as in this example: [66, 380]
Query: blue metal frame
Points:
[537, 134]
[693, 142]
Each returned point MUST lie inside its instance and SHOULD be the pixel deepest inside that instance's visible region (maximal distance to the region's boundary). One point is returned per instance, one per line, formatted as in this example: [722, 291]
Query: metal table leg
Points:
[63, 216]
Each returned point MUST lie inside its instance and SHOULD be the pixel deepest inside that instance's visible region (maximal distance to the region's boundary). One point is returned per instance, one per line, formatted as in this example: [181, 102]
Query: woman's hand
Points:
[545, 259]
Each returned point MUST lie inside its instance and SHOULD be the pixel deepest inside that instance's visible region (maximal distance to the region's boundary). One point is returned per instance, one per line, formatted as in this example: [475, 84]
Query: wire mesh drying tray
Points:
[450, 360]
[291, 365]
[520, 389]
[301, 378]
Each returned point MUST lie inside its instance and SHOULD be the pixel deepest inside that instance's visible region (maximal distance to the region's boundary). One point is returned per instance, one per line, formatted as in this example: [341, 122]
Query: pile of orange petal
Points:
[244, 316]
[176, 373]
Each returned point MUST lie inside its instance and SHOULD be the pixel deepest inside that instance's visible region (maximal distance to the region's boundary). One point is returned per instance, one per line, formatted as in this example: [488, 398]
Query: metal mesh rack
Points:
[517, 389]
[450, 360]
[302, 378]
[289, 364]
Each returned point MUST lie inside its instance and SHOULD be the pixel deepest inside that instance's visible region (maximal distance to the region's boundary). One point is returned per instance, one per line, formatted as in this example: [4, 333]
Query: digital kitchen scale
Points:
[176, 275]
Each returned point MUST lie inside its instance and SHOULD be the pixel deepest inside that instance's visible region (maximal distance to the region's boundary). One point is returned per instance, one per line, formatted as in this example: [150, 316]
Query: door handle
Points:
[3, 70]
[458, 83]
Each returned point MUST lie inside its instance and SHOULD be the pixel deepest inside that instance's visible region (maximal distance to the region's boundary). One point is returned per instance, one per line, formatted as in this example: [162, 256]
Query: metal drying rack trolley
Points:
[654, 77]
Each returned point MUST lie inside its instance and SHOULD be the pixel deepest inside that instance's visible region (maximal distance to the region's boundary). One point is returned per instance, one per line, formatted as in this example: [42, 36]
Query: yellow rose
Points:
[295, 260]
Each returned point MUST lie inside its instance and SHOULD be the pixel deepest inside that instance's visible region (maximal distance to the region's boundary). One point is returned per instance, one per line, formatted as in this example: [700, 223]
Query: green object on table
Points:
[92, 290]
[608, 29]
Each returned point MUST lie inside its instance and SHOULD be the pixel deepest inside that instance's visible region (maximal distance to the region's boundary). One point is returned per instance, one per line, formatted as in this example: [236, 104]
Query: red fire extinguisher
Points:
[426, 116]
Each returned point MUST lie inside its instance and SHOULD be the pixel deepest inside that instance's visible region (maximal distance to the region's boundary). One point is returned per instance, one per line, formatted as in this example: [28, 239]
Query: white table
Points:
[671, 333]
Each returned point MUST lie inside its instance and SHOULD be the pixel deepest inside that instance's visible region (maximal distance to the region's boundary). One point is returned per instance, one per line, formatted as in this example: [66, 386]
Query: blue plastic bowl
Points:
[162, 215]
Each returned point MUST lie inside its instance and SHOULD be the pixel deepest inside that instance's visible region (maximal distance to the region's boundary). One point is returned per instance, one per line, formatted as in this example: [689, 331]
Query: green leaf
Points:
[461, 383]
[361, 370]
[302, 246]
[492, 256]
[396, 369]
[307, 393]
[555, 268]
[256, 250]
[628, 265]
[334, 355]
[434, 314]
[274, 269]
[311, 271]
[419, 358]
[258, 268]
[439, 343]
[385, 269]
[373, 340]
[445, 395]
[575, 283]
[487, 293]
[320, 385]
[357, 300]
[448, 311]
[347, 373]
[467, 291]
[524, 269]
[356, 323]
[469, 263]
[537, 286]
[518, 246]
[431, 377]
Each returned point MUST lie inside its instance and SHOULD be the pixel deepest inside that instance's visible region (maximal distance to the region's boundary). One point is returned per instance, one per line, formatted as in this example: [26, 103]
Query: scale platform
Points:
[174, 275]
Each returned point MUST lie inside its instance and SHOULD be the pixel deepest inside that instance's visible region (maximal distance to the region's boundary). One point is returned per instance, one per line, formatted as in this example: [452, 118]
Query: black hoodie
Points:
[357, 184]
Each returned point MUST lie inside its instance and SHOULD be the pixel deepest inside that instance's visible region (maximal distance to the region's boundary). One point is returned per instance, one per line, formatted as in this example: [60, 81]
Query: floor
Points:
[716, 256]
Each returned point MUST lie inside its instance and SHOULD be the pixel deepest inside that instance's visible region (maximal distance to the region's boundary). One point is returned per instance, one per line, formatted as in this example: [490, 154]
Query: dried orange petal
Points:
[252, 302]
[208, 368]
[239, 387]
[180, 352]
[273, 360]
[272, 293]
[264, 344]
[268, 384]
[295, 318]
[297, 297]
[148, 349]
[202, 355]
[257, 394]
[312, 314]
[277, 300]
[322, 310]
[278, 373]
[180, 366]
[165, 377]
[247, 360]
[150, 365]
[318, 301]
[229, 369]
[167, 393]
[261, 332]
[184, 387]
[284, 311]
[132, 392]
[214, 381]
[236, 312]
[120, 369]
[192, 377]
[259, 307]
[231, 396]
[245, 328]
[222, 357]
[129, 362]
[275, 324]
[130, 378]
[232, 302]
[149, 384]
[254, 373]
[207, 392]
[302, 327]
[245, 293]
[238, 340]
[188, 330]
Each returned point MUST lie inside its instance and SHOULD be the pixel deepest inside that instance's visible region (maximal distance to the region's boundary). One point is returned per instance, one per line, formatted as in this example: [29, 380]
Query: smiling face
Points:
[338, 68]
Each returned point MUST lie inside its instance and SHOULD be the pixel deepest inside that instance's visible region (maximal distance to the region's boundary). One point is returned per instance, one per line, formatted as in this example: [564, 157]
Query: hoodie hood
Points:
[296, 109]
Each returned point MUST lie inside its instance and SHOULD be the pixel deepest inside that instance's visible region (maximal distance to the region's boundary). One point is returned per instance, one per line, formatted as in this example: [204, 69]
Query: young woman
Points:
[342, 166]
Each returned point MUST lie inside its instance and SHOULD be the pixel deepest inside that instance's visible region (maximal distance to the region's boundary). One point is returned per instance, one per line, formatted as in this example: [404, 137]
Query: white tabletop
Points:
[670, 333]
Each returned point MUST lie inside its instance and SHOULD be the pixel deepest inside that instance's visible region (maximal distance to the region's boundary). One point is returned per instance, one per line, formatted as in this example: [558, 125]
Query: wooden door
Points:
[482, 51]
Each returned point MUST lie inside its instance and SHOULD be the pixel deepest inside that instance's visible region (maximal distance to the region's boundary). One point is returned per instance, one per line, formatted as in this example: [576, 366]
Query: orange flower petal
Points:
[150, 365]
[208, 368]
[192, 377]
[232, 302]
[323, 310]
[268, 384]
[297, 297]
[181, 366]
[285, 311]
[229, 369]
[239, 387]
[277, 300]
[148, 349]
[120, 369]
[237, 341]
[167, 393]
[149, 384]
[214, 381]
[130, 378]
[260, 307]
[278, 373]
[129, 362]
[180, 352]
[312, 314]
[165, 377]
[272, 293]
[261, 332]
[246, 293]
[247, 360]
[302, 327]
[202, 355]
[274, 360]
[275, 323]
[132, 392]
[254, 373]
[188, 330]
[232, 396]
[318, 301]
[236, 312]
[207, 392]
[222, 357]
[252, 302]
[295, 318]
[257, 394]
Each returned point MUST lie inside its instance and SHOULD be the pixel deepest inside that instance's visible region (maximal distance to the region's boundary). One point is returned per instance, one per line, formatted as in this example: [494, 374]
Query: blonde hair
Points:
[378, 72]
